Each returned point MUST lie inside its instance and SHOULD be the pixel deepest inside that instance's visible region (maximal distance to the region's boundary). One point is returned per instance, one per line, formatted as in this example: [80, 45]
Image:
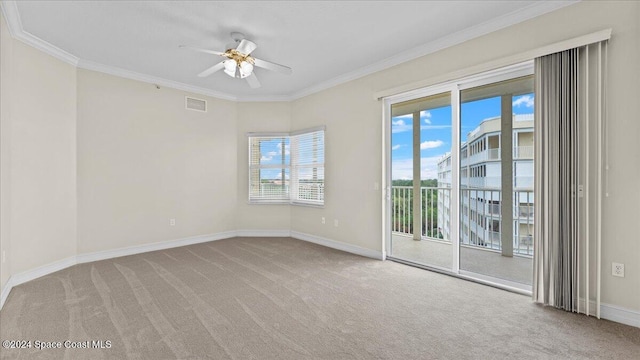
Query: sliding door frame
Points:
[453, 87]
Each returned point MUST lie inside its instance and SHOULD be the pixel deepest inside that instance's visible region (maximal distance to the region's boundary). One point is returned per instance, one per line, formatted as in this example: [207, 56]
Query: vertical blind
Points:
[569, 117]
[287, 168]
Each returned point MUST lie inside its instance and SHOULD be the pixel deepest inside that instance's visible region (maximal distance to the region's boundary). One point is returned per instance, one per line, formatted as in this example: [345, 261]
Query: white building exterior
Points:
[481, 184]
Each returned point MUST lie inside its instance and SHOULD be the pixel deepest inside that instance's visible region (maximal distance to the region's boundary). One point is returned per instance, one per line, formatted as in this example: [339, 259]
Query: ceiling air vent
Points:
[196, 104]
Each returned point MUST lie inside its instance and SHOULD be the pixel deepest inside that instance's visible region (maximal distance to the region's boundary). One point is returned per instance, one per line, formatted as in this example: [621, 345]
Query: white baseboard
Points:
[23, 277]
[613, 312]
[5, 292]
[338, 245]
[132, 250]
[263, 233]
[620, 315]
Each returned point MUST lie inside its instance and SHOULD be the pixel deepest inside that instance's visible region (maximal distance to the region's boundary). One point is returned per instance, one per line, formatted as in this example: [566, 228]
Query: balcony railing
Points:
[519, 153]
[523, 152]
[402, 211]
[480, 215]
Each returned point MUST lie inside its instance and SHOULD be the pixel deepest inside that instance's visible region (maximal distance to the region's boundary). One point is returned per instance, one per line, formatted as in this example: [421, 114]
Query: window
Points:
[287, 168]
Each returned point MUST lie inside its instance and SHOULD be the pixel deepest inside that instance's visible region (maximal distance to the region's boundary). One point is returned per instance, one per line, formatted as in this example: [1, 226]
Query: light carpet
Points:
[280, 298]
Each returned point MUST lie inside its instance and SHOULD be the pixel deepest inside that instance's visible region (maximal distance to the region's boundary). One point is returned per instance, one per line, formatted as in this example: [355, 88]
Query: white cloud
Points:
[266, 158]
[434, 127]
[395, 147]
[524, 100]
[286, 149]
[426, 115]
[399, 126]
[403, 169]
[430, 144]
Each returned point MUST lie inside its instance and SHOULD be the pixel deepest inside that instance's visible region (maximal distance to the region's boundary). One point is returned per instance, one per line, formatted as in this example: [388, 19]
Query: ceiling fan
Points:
[239, 63]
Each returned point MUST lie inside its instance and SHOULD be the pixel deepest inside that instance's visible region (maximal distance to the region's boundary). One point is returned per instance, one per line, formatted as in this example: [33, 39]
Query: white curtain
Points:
[569, 118]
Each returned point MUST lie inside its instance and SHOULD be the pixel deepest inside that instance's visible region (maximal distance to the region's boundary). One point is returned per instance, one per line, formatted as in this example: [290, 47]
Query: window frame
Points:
[291, 197]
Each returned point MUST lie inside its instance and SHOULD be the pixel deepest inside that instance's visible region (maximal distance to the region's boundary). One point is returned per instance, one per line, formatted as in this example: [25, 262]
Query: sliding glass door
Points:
[421, 191]
[460, 171]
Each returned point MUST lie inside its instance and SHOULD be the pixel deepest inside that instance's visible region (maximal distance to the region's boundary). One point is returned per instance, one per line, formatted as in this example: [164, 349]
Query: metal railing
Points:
[480, 216]
[402, 211]
[482, 208]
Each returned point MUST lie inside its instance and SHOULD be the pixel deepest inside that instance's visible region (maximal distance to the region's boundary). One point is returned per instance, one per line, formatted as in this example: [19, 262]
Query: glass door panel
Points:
[496, 180]
[421, 181]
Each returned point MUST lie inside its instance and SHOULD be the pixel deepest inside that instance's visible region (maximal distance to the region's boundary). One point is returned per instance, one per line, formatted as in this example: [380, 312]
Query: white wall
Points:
[259, 117]
[353, 137]
[38, 157]
[144, 159]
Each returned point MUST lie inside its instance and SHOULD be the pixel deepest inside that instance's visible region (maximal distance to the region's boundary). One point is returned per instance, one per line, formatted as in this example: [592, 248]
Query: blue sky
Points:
[271, 154]
[435, 133]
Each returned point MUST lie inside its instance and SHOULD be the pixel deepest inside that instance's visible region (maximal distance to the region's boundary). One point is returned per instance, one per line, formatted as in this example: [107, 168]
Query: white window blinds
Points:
[269, 159]
[307, 167]
[287, 168]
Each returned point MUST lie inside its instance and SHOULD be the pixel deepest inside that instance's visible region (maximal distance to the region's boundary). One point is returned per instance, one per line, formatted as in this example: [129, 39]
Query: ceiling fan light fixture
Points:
[246, 68]
[230, 67]
[239, 63]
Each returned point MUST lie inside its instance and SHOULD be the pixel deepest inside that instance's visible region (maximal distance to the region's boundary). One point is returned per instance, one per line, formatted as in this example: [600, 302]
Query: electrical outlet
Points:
[323, 220]
[617, 269]
[335, 222]
[172, 222]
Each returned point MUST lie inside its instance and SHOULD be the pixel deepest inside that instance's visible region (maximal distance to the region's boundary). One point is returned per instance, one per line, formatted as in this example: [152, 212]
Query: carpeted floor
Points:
[280, 298]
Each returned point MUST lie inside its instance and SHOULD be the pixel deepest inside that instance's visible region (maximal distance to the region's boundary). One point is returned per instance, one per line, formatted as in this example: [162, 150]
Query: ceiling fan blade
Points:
[253, 81]
[246, 47]
[211, 70]
[272, 66]
[213, 52]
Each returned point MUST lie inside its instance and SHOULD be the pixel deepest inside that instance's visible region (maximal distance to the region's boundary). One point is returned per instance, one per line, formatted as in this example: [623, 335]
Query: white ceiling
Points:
[325, 42]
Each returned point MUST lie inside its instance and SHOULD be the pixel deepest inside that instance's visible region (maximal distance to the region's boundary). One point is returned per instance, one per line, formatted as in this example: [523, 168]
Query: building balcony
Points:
[519, 153]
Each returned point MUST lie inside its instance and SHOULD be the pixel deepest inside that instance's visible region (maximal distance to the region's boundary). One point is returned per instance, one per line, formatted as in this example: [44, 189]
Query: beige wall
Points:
[259, 117]
[6, 55]
[39, 127]
[354, 120]
[144, 159]
[353, 157]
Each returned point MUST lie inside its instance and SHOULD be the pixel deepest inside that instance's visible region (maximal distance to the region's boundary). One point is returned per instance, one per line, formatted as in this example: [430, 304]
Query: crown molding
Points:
[12, 16]
[515, 17]
[112, 70]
